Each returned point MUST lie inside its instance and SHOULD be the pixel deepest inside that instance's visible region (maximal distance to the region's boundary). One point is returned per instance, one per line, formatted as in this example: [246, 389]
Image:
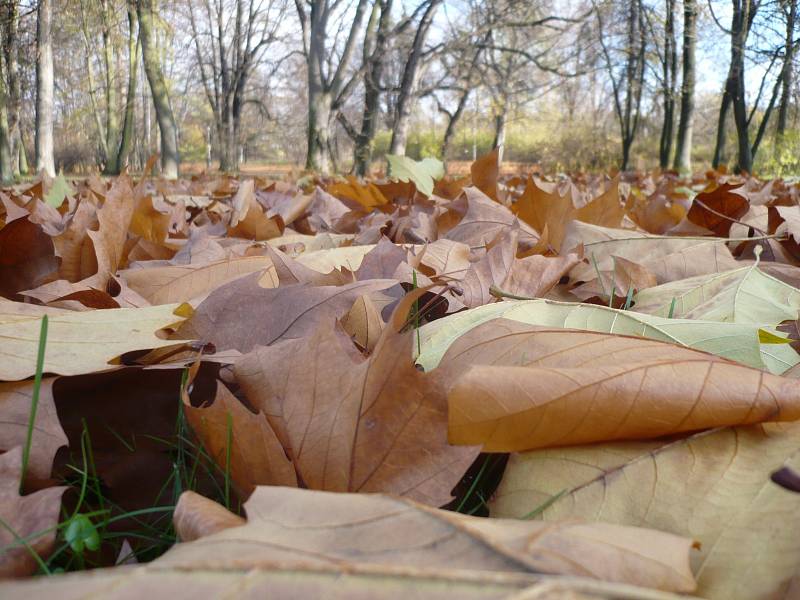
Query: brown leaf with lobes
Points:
[233, 436]
[47, 434]
[718, 209]
[524, 387]
[358, 425]
[242, 314]
[32, 516]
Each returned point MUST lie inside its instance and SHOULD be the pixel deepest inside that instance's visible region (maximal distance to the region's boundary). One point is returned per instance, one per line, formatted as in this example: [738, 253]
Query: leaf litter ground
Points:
[326, 386]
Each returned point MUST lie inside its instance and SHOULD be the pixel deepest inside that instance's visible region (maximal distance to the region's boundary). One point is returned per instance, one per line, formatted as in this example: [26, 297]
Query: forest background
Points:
[334, 85]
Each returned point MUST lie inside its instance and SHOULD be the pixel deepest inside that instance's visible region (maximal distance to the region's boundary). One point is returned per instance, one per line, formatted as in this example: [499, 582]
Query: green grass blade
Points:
[37, 386]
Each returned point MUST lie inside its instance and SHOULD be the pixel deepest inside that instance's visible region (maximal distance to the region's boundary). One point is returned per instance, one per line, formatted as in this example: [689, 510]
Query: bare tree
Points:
[789, 9]
[328, 71]
[407, 91]
[170, 155]
[683, 146]
[231, 39]
[627, 78]
[669, 65]
[744, 12]
[45, 105]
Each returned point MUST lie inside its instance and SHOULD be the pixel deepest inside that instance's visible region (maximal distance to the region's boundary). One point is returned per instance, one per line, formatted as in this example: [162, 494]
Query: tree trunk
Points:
[500, 132]
[722, 121]
[683, 148]
[44, 90]
[319, 115]
[762, 126]
[134, 45]
[452, 122]
[408, 86]
[6, 162]
[110, 77]
[788, 73]
[10, 47]
[734, 94]
[669, 73]
[375, 42]
[170, 156]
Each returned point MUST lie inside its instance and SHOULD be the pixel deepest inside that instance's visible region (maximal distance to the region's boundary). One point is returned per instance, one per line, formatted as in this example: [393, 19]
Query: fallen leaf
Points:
[529, 388]
[27, 257]
[240, 440]
[352, 424]
[32, 517]
[726, 204]
[242, 314]
[712, 486]
[80, 342]
[47, 435]
[739, 342]
[745, 295]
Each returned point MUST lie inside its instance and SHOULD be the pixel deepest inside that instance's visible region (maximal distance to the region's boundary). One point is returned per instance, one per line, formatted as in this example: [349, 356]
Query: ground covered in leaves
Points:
[323, 387]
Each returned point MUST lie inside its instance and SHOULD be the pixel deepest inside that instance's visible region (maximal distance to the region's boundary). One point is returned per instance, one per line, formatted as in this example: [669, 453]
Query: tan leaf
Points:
[248, 219]
[80, 342]
[34, 515]
[48, 436]
[484, 173]
[242, 314]
[363, 323]
[73, 246]
[181, 283]
[534, 387]
[357, 425]
[232, 435]
[196, 516]
[307, 529]
[114, 218]
[712, 486]
[484, 220]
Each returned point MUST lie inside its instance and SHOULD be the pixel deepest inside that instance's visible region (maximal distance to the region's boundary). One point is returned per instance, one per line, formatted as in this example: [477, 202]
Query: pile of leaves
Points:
[323, 387]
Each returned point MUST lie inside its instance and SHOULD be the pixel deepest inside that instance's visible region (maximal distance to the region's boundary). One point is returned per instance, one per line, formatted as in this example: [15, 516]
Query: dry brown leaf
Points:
[357, 425]
[182, 283]
[444, 258]
[313, 530]
[484, 172]
[196, 516]
[27, 257]
[533, 387]
[108, 241]
[726, 204]
[47, 437]
[24, 517]
[232, 435]
[248, 219]
[364, 195]
[543, 206]
[484, 221]
[363, 323]
[242, 314]
[712, 486]
[606, 209]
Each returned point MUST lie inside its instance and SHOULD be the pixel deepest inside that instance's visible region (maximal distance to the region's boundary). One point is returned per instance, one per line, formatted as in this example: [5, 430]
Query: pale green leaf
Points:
[423, 173]
[59, 191]
[735, 341]
[745, 295]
